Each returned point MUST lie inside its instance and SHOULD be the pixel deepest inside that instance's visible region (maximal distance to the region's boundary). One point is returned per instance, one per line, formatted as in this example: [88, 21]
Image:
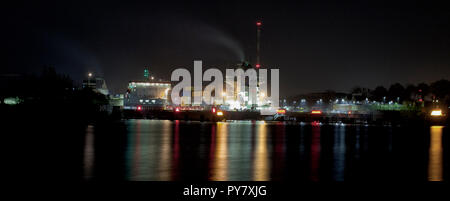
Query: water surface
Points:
[164, 150]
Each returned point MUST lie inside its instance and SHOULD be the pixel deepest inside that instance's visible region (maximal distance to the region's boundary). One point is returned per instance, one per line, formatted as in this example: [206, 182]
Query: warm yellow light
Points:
[262, 94]
[436, 113]
[219, 113]
[281, 111]
[435, 158]
[90, 74]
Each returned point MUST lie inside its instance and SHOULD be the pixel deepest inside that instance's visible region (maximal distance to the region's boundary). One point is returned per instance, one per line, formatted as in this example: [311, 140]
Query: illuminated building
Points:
[96, 83]
[116, 100]
[239, 99]
[147, 94]
[150, 95]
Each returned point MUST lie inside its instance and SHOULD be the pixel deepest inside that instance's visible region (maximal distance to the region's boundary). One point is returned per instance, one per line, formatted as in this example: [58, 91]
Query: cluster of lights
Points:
[213, 110]
[147, 101]
[148, 84]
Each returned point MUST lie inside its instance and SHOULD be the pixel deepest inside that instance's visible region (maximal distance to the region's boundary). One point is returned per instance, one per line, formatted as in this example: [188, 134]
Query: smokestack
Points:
[258, 46]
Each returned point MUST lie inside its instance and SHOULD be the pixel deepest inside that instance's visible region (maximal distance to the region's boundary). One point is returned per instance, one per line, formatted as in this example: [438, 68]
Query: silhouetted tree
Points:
[52, 95]
[440, 88]
[410, 92]
[356, 90]
[379, 92]
[423, 88]
[396, 92]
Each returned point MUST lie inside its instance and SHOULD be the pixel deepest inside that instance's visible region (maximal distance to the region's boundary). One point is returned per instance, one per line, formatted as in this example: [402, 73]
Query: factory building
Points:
[96, 83]
[147, 94]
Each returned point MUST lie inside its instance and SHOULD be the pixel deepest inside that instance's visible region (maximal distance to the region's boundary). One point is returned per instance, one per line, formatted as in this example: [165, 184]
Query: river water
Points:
[163, 150]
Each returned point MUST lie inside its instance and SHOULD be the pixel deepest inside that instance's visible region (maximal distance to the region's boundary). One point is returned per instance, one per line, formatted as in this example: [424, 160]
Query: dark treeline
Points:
[438, 90]
[52, 95]
[435, 93]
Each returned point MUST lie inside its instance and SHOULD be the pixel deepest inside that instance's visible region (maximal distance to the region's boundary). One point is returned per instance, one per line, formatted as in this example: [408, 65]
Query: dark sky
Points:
[317, 45]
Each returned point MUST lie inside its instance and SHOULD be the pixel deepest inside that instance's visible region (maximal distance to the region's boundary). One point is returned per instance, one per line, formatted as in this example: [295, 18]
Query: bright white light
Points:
[436, 113]
[11, 100]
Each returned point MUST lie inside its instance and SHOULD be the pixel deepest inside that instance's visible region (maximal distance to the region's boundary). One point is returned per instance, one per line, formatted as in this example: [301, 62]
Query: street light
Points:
[89, 79]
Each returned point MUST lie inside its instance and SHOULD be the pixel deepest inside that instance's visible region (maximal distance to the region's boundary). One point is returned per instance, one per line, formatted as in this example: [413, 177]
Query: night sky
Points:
[317, 45]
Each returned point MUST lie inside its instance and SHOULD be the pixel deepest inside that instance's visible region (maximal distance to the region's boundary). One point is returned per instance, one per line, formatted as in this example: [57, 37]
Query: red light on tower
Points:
[177, 109]
[139, 108]
[258, 36]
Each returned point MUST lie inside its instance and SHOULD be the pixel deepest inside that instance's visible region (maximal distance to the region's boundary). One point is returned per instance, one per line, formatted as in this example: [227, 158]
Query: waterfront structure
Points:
[239, 99]
[116, 100]
[147, 95]
[98, 84]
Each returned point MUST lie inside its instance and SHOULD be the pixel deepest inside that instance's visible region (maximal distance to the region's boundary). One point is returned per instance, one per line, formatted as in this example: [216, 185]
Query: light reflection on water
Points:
[315, 153]
[164, 150]
[261, 166]
[435, 166]
[339, 153]
[149, 150]
[220, 160]
[88, 162]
